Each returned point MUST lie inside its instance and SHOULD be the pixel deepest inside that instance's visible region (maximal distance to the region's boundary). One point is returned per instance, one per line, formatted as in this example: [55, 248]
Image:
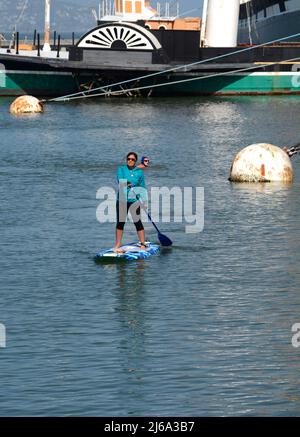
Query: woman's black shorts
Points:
[135, 211]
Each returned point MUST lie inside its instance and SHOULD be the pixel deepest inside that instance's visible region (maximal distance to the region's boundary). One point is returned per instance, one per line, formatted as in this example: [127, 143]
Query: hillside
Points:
[66, 15]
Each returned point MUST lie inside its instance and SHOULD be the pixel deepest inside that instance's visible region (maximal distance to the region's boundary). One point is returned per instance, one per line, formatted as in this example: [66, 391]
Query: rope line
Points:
[127, 90]
[169, 70]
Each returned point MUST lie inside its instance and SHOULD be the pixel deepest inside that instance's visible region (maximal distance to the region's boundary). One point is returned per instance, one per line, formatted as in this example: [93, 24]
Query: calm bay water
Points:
[203, 329]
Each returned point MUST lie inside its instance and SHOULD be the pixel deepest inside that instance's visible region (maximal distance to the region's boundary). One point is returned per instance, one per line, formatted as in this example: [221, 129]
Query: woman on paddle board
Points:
[131, 187]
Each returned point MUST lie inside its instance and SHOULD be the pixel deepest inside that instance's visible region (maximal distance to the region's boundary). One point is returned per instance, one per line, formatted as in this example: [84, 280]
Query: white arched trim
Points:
[133, 37]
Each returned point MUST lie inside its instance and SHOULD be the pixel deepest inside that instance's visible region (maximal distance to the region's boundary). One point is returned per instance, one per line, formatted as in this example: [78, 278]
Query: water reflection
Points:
[267, 188]
[265, 196]
[131, 314]
[130, 295]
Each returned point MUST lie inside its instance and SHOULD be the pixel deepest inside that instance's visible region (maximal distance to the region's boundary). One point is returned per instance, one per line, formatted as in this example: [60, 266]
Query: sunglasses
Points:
[131, 159]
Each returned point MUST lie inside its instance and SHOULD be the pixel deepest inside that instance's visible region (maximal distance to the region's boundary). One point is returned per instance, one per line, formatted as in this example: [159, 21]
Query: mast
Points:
[47, 47]
[221, 19]
[203, 24]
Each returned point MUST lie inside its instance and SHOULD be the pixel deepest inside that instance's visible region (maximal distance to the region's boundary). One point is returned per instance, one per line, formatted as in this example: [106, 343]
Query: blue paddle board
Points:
[131, 252]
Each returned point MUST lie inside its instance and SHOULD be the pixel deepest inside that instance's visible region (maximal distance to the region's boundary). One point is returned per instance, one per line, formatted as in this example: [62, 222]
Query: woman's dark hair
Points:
[132, 153]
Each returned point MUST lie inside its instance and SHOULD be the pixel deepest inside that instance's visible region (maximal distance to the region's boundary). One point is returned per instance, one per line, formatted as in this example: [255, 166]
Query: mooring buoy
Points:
[261, 163]
[26, 105]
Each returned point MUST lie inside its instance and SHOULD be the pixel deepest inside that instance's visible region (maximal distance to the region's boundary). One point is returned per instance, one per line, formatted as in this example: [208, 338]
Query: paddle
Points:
[163, 239]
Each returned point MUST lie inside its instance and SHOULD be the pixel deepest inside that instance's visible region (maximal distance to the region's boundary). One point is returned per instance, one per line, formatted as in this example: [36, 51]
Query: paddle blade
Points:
[164, 240]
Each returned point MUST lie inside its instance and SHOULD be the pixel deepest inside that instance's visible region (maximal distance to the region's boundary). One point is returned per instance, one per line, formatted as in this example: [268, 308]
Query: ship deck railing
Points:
[63, 54]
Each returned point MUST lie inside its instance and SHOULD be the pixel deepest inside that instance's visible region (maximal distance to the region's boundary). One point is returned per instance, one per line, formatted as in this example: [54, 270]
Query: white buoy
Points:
[261, 163]
[26, 105]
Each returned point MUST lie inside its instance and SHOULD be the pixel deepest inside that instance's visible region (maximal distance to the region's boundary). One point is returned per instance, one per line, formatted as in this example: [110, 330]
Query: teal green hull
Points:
[36, 84]
[275, 83]
[59, 84]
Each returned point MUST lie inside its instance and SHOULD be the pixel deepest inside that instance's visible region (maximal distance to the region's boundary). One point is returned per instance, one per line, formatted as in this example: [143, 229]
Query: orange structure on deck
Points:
[190, 23]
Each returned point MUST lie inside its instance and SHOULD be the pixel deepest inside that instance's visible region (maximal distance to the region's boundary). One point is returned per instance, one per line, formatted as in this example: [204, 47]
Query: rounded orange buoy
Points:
[261, 163]
[26, 105]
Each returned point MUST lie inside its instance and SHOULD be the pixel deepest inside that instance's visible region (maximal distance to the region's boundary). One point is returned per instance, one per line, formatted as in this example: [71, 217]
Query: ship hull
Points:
[60, 84]
[38, 83]
[165, 64]
[271, 28]
[238, 84]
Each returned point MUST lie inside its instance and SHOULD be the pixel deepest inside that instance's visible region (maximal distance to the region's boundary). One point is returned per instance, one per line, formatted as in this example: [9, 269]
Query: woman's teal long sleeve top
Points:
[131, 184]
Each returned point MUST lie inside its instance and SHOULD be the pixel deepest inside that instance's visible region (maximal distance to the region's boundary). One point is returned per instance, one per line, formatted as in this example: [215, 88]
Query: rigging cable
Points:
[128, 90]
[169, 70]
